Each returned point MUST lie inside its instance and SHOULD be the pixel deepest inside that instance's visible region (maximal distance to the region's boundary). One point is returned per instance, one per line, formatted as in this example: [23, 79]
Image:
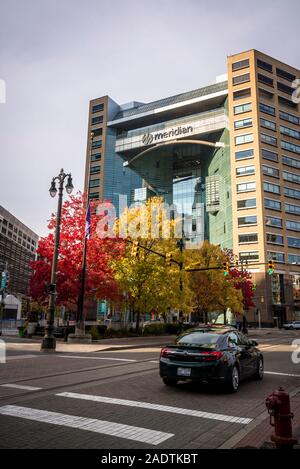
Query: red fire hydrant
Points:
[278, 405]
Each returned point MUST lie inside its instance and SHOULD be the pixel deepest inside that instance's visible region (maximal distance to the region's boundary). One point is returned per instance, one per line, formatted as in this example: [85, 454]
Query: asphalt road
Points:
[116, 399]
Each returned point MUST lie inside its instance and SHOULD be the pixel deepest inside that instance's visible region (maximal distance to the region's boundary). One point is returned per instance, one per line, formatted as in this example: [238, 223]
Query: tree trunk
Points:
[137, 322]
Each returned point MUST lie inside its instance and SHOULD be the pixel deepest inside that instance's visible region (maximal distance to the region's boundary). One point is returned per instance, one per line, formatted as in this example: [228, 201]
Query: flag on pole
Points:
[88, 221]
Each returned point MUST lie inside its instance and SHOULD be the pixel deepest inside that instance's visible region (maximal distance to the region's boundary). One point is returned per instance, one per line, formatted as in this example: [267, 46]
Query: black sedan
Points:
[211, 355]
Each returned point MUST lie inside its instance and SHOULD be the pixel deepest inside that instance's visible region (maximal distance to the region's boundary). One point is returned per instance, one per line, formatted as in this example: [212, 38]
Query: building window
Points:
[264, 65]
[287, 103]
[97, 132]
[291, 208]
[283, 74]
[248, 238]
[98, 108]
[286, 116]
[95, 169]
[269, 155]
[267, 109]
[293, 242]
[241, 79]
[246, 187]
[249, 220]
[267, 124]
[276, 256]
[284, 88]
[273, 238]
[97, 120]
[96, 157]
[265, 80]
[272, 204]
[268, 139]
[265, 94]
[241, 139]
[249, 256]
[245, 170]
[246, 93]
[241, 124]
[290, 132]
[290, 147]
[269, 187]
[240, 64]
[273, 221]
[94, 182]
[291, 162]
[246, 203]
[293, 259]
[97, 144]
[292, 177]
[270, 171]
[292, 193]
[94, 195]
[293, 225]
[242, 108]
[244, 154]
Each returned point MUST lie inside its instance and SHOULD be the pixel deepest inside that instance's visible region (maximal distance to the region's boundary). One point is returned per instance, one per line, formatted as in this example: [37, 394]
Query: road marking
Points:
[21, 357]
[97, 358]
[281, 374]
[19, 386]
[153, 361]
[104, 427]
[159, 407]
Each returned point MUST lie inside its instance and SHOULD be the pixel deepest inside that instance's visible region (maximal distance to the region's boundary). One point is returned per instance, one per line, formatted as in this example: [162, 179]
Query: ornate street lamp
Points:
[49, 342]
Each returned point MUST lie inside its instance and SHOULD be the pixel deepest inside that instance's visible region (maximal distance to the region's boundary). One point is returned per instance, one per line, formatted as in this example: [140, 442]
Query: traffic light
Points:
[169, 257]
[226, 268]
[3, 280]
[270, 266]
[254, 286]
[135, 249]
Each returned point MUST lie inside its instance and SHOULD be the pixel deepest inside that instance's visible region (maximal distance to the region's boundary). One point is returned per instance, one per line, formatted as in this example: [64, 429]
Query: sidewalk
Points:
[260, 436]
[104, 345]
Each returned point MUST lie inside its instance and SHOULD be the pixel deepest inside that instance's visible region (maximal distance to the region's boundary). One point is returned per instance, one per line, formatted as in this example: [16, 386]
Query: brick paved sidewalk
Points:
[261, 434]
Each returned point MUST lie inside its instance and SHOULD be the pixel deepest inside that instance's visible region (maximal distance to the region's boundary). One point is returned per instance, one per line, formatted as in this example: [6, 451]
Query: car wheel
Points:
[233, 380]
[259, 374]
[169, 381]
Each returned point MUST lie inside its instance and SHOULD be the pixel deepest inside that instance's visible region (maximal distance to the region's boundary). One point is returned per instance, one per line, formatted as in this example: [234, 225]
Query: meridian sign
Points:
[160, 136]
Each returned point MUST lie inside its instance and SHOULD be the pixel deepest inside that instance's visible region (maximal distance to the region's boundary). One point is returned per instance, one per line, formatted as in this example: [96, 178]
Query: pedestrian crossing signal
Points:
[226, 268]
[270, 267]
[135, 249]
[169, 259]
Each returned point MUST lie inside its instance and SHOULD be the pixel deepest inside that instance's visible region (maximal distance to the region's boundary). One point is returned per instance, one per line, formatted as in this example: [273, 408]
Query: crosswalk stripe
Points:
[98, 358]
[19, 386]
[281, 374]
[158, 407]
[21, 357]
[104, 427]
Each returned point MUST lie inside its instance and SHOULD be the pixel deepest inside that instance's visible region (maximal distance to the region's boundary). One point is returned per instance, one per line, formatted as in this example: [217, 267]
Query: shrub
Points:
[94, 333]
[154, 329]
[172, 328]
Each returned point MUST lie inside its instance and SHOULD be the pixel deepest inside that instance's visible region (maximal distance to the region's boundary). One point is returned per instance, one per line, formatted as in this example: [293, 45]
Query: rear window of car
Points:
[200, 339]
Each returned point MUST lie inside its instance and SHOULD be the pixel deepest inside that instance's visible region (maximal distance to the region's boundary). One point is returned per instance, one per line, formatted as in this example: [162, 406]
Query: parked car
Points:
[292, 325]
[211, 355]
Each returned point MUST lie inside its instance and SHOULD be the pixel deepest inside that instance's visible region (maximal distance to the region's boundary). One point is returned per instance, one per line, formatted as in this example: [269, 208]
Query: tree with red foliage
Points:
[99, 280]
[242, 281]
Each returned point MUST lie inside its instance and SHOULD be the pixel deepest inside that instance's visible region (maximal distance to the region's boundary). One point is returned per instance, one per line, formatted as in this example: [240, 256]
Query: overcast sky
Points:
[56, 55]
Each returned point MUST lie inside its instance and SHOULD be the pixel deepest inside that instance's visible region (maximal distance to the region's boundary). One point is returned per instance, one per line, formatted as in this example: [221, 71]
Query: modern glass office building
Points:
[228, 156]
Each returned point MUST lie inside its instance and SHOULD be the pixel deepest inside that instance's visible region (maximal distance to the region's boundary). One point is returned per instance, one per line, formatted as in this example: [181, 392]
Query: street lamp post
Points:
[49, 342]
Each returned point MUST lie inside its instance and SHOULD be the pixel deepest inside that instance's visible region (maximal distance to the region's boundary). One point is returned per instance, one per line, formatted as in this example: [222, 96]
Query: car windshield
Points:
[199, 339]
